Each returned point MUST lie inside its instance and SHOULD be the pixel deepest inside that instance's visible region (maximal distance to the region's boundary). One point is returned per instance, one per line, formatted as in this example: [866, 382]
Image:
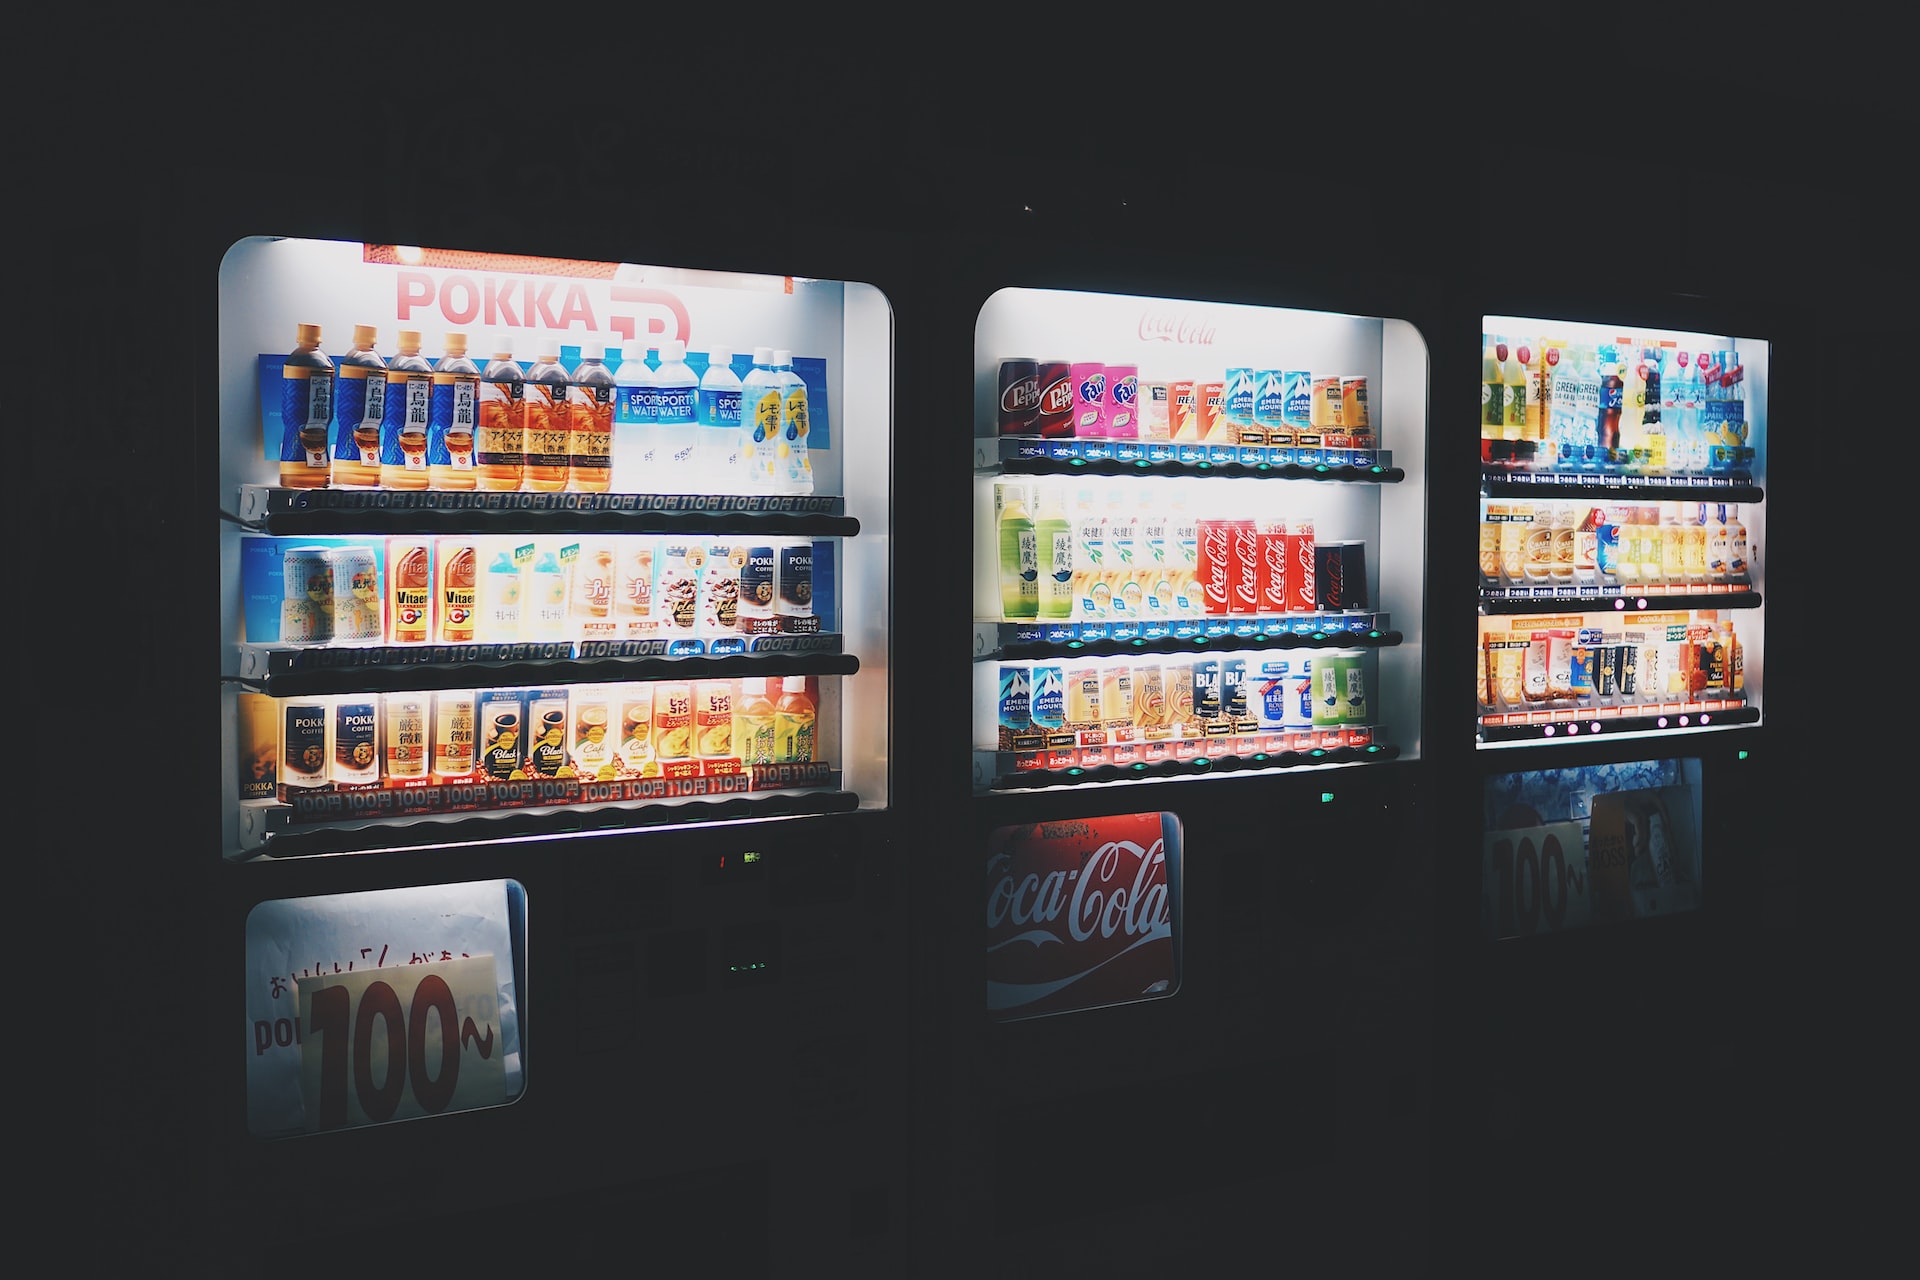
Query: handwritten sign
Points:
[400, 1042]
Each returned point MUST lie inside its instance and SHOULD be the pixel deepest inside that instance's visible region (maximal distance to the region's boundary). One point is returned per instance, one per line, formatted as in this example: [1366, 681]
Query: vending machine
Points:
[554, 746]
[1614, 828]
[1195, 730]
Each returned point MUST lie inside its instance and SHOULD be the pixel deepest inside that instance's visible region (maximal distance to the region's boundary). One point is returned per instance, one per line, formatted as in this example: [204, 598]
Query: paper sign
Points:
[1534, 880]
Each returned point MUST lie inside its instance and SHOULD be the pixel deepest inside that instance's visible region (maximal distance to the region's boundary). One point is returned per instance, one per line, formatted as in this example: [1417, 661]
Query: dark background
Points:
[1751, 160]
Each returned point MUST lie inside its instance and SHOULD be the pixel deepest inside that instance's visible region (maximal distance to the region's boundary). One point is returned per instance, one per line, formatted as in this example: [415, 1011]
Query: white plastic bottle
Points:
[759, 422]
[676, 421]
[635, 417]
[718, 409]
[795, 468]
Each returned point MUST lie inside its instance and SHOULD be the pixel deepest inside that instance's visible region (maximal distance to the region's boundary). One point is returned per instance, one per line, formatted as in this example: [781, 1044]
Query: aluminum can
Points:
[1019, 396]
[306, 607]
[356, 595]
[1053, 399]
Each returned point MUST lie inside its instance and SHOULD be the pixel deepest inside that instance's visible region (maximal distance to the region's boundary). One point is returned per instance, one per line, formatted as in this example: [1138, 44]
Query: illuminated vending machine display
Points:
[1621, 620]
[514, 551]
[1197, 549]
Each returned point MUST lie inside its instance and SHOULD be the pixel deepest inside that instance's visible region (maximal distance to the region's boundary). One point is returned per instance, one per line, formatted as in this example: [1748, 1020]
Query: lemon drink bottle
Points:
[794, 465]
[759, 422]
[306, 411]
[359, 399]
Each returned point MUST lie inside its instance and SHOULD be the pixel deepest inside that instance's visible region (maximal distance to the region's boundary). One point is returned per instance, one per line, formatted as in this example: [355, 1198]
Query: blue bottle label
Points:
[718, 407]
[454, 402]
[359, 403]
[674, 406]
[306, 412]
[635, 406]
[408, 408]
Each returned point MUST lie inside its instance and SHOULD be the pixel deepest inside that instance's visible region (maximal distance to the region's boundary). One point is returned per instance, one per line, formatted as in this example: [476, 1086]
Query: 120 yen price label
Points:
[395, 1043]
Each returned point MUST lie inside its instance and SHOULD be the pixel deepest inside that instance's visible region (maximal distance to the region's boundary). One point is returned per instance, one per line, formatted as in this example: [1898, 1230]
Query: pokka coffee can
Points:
[356, 596]
[1019, 396]
[306, 606]
[1053, 399]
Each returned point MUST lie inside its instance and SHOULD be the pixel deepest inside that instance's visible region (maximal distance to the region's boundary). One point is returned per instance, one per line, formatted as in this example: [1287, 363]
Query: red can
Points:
[1302, 594]
[1273, 566]
[1053, 399]
[1246, 568]
[1019, 396]
[1214, 565]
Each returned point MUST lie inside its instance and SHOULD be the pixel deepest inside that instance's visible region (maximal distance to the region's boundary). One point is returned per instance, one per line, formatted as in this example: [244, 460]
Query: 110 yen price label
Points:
[400, 1042]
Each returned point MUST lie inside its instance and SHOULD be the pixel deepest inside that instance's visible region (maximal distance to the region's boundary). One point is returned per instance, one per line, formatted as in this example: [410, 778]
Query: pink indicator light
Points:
[1706, 719]
[1594, 727]
[1550, 731]
[1573, 728]
[1620, 605]
[1662, 722]
[1683, 722]
[1641, 602]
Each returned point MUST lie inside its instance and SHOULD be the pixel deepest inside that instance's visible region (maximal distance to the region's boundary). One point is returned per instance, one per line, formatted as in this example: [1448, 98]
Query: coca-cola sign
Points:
[1179, 327]
[1081, 913]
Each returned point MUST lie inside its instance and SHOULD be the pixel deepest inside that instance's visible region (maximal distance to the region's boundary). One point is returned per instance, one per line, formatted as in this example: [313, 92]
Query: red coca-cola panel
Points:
[1214, 565]
[1082, 913]
[1246, 568]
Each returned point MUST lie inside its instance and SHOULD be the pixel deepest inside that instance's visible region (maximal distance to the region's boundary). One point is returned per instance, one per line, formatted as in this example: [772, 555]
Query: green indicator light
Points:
[1076, 644]
[1743, 755]
[1140, 643]
[1321, 467]
[1075, 771]
[1317, 752]
[1142, 463]
[1260, 757]
[750, 856]
[1373, 635]
[1138, 768]
[1326, 797]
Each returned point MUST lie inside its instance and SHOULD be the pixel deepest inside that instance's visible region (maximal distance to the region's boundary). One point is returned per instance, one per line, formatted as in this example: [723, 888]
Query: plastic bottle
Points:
[359, 400]
[793, 722]
[1737, 569]
[1566, 543]
[456, 411]
[759, 422]
[1693, 517]
[1155, 556]
[1586, 547]
[544, 615]
[306, 410]
[636, 420]
[676, 391]
[1717, 547]
[1053, 543]
[718, 408]
[1183, 549]
[753, 722]
[408, 410]
[547, 418]
[590, 423]
[499, 615]
[1092, 601]
[500, 460]
[1019, 553]
[793, 464]
[1612, 405]
[1673, 545]
[1123, 558]
[1493, 387]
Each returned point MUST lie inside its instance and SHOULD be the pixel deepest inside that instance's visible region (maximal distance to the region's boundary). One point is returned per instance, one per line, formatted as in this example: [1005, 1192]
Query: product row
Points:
[1119, 556]
[715, 592]
[1281, 408]
[604, 733]
[629, 419]
[1642, 663]
[1669, 546]
[1122, 711]
[1630, 406]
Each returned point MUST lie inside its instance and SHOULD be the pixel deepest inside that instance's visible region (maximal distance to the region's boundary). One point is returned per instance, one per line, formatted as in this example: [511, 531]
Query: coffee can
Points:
[1053, 399]
[306, 607]
[356, 595]
[1019, 396]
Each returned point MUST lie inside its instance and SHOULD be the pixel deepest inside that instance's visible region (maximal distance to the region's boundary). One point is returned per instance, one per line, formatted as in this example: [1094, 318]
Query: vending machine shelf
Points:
[563, 807]
[1613, 601]
[1348, 473]
[1014, 640]
[320, 512]
[1000, 770]
[281, 671]
[1554, 726]
[1500, 483]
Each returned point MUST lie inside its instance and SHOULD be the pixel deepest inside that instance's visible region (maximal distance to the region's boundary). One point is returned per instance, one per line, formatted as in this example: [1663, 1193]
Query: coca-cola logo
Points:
[1214, 553]
[1080, 913]
[1273, 556]
[1303, 576]
[1246, 586]
[1181, 328]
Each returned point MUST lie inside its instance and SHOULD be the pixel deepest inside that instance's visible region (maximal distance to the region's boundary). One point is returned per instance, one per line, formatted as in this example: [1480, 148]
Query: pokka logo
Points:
[1179, 328]
[632, 313]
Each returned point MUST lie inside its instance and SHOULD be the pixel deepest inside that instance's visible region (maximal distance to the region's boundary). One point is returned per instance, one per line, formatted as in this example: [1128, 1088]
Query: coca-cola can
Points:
[1273, 566]
[1214, 565]
[1053, 399]
[1246, 568]
[1302, 593]
[1019, 396]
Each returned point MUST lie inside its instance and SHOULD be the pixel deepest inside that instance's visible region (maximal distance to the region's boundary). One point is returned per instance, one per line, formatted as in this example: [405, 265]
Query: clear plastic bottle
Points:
[590, 423]
[676, 391]
[1053, 543]
[500, 460]
[794, 465]
[718, 409]
[793, 722]
[456, 411]
[306, 410]
[408, 409]
[636, 419]
[1019, 552]
[547, 418]
[759, 422]
[359, 399]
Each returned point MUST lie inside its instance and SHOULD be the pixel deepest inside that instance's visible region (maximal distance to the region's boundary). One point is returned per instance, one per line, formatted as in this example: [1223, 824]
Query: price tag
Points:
[1534, 880]
[400, 1042]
